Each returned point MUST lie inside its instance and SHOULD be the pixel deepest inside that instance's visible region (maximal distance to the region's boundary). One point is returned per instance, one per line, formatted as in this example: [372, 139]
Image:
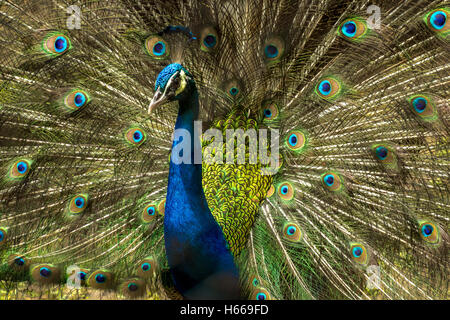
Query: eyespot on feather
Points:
[429, 232]
[437, 21]
[19, 262]
[76, 99]
[20, 169]
[156, 47]
[270, 111]
[3, 236]
[331, 181]
[328, 88]
[78, 204]
[56, 44]
[292, 232]
[423, 107]
[261, 294]
[147, 268]
[101, 279]
[273, 49]
[384, 153]
[233, 89]
[295, 140]
[149, 213]
[285, 191]
[46, 274]
[255, 281]
[135, 136]
[353, 29]
[133, 288]
[209, 39]
[359, 253]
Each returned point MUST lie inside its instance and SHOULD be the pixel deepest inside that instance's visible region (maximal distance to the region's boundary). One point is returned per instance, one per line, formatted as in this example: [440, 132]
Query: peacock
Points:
[112, 188]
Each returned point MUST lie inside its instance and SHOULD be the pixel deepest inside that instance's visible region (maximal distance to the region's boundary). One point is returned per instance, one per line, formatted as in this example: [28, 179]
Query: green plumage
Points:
[362, 189]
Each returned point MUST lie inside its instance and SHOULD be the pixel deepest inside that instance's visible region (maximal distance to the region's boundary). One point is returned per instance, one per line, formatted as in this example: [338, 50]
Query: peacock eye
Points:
[437, 20]
[210, 41]
[233, 88]
[292, 232]
[19, 261]
[273, 49]
[285, 191]
[156, 47]
[296, 140]
[20, 169]
[270, 111]
[149, 213]
[135, 136]
[261, 296]
[353, 29]
[60, 44]
[76, 99]
[420, 104]
[132, 286]
[81, 275]
[329, 180]
[332, 181]
[429, 232]
[423, 107]
[100, 278]
[328, 88]
[45, 272]
[359, 253]
[159, 48]
[3, 235]
[78, 204]
[56, 44]
[381, 152]
[234, 91]
[349, 29]
[325, 87]
[147, 268]
[79, 99]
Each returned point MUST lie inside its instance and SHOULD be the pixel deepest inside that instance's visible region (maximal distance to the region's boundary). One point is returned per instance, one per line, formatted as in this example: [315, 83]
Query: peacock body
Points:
[96, 200]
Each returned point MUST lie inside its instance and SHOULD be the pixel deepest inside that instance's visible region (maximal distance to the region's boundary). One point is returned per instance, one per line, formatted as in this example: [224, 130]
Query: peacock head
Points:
[173, 83]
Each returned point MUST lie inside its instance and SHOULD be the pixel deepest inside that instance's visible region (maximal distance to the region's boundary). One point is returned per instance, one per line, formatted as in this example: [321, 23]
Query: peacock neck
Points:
[197, 252]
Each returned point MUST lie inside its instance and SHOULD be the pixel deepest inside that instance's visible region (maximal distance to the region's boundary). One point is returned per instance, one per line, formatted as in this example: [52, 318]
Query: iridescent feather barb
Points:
[362, 185]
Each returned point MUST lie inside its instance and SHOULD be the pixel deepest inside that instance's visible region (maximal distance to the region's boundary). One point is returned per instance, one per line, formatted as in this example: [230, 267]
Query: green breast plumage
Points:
[235, 191]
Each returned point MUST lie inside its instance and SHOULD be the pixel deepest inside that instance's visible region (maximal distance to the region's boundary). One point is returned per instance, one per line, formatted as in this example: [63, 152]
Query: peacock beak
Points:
[158, 99]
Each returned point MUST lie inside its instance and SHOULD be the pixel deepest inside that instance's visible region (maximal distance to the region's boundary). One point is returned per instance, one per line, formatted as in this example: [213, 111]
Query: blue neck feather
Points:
[202, 266]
